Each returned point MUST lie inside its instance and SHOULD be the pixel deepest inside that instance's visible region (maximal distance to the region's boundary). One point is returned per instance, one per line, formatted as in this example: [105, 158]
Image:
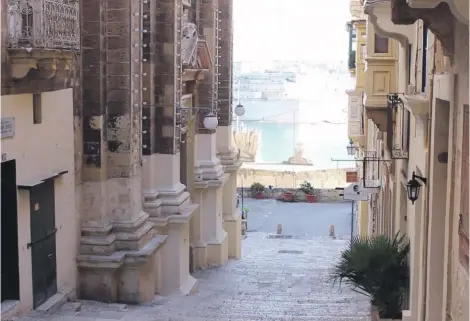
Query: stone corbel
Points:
[459, 8]
[20, 67]
[379, 14]
[418, 104]
[439, 19]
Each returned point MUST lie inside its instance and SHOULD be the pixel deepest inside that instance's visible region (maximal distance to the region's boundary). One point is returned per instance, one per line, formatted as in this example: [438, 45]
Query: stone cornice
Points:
[379, 14]
[459, 8]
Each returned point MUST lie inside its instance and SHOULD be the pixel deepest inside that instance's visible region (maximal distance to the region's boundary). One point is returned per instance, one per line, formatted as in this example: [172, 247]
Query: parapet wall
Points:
[322, 179]
[323, 194]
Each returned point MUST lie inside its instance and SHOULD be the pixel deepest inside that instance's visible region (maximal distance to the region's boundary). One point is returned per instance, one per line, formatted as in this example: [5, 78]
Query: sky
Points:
[308, 30]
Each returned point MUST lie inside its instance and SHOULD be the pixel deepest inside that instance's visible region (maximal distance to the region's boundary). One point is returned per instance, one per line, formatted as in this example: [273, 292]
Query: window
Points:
[380, 44]
[37, 109]
[423, 59]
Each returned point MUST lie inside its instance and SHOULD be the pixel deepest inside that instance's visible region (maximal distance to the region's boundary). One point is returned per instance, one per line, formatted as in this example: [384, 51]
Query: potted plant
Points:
[307, 188]
[378, 268]
[287, 196]
[257, 190]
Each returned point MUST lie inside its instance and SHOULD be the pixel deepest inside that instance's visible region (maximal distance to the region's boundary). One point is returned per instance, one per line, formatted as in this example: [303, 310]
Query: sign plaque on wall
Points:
[8, 127]
[351, 176]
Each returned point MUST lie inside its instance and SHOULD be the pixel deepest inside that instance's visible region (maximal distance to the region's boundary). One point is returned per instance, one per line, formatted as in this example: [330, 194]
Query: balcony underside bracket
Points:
[379, 14]
[439, 20]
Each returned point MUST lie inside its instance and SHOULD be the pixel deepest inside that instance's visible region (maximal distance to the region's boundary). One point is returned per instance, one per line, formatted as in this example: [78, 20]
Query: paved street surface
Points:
[277, 279]
[303, 220]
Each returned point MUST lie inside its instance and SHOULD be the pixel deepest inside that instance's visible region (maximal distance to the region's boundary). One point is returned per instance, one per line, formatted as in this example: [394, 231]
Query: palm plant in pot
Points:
[257, 190]
[377, 267]
[307, 188]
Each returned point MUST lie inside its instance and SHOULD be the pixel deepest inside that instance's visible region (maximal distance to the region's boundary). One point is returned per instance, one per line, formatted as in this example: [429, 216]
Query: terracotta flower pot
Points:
[287, 197]
[259, 195]
[311, 198]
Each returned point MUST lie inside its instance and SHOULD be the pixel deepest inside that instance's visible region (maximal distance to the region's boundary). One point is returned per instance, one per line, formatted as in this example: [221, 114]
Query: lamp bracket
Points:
[193, 108]
[422, 179]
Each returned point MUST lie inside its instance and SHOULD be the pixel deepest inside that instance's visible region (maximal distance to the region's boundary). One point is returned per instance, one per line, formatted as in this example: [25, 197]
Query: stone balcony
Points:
[42, 40]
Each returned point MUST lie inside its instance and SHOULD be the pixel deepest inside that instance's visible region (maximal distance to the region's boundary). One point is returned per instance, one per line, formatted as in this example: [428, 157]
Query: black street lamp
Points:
[413, 187]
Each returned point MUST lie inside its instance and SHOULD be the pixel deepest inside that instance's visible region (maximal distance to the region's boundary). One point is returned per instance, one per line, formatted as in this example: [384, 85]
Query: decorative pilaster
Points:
[209, 174]
[118, 245]
[226, 63]
[208, 89]
[165, 198]
[227, 154]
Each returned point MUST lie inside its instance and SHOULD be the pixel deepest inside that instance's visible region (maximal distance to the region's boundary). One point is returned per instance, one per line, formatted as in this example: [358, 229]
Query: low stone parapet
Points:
[323, 194]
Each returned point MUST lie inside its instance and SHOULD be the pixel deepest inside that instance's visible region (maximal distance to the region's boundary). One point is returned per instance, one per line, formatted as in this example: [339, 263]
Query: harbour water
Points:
[311, 117]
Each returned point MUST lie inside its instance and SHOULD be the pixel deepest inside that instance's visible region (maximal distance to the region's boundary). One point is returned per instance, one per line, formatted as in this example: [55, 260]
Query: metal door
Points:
[10, 289]
[43, 242]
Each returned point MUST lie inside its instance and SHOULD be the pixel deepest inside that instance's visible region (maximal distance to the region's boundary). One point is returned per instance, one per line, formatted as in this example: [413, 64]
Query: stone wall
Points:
[323, 194]
[324, 179]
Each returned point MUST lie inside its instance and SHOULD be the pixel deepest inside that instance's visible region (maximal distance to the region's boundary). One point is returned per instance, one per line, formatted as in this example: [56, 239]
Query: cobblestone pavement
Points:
[277, 279]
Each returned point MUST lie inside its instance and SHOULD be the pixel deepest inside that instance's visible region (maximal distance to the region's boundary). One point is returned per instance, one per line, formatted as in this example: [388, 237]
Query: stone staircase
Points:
[277, 279]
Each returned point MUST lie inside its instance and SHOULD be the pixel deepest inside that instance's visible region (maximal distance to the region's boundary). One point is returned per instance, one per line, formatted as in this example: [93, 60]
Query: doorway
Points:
[10, 258]
[43, 242]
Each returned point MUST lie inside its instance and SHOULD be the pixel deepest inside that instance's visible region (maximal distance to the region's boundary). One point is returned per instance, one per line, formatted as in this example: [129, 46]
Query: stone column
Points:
[118, 245]
[165, 198]
[228, 155]
[209, 170]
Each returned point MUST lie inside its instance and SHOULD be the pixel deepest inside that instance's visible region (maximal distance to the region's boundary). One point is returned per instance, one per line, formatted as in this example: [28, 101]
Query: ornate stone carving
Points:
[189, 43]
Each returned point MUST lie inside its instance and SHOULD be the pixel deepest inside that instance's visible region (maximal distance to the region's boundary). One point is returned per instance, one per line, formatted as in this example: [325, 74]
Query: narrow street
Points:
[277, 279]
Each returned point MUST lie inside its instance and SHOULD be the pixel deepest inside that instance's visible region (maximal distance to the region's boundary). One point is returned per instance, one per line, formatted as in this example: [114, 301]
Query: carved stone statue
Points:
[298, 158]
[189, 44]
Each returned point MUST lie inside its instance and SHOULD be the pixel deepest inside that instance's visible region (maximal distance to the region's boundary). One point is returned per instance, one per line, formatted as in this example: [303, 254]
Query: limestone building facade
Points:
[107, 122]
[421, 131]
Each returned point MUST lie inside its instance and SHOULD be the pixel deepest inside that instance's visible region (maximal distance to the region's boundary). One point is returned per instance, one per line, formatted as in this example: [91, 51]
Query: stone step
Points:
[265, 318]
[279, 316]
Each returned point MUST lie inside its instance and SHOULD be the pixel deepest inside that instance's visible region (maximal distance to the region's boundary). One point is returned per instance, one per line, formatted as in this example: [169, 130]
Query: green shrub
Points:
[307, 188]
[377, 267]
[257, 188]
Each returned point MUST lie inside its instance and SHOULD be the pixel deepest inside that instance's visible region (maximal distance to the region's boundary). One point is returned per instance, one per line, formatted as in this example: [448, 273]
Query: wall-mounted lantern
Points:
[351, 148]
[413, 187]
[210, 121]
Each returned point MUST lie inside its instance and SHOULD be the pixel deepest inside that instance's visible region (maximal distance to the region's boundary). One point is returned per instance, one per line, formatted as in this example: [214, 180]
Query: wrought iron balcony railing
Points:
[50, 24]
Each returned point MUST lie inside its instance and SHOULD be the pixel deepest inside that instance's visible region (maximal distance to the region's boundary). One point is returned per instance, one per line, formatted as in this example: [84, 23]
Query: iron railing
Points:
[398, 127]
[50, 24]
